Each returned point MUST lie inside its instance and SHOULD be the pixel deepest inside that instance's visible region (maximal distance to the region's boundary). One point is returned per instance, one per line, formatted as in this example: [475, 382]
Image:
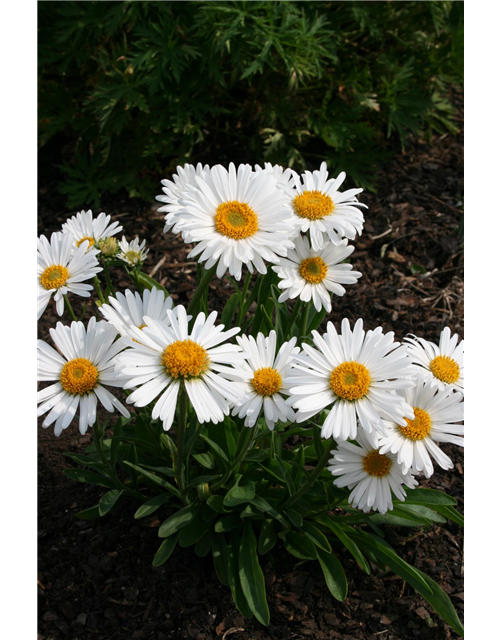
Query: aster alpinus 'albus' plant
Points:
[229, 415]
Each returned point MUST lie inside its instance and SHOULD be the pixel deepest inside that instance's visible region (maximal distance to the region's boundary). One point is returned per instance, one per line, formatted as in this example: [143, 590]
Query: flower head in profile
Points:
[166, 356]
[126, 312]
[443, 364]
[283, 177]
[83, 226]
[320, 208]
[61, 270]
[134, 252]
[373, 476]
[236, 217]
[262, 377]
[436, 414]
[174, 190]
[81, 370]
[315, 275]
[355, 373]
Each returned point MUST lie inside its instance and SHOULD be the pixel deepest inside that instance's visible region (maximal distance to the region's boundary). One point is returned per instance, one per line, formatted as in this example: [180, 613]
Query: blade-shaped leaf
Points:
[152, 505]
[334, 573]
[251, 576]
[177, 520]
[165, 550]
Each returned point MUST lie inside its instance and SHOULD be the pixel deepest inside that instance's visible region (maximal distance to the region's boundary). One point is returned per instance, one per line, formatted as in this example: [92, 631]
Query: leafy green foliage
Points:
[130, 89]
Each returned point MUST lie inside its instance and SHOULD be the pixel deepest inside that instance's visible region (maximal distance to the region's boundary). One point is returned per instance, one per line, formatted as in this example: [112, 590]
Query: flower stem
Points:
[181, 434]
[108, 278]
[202, 286]
[99, 290]
[68, 306]
[303, 319]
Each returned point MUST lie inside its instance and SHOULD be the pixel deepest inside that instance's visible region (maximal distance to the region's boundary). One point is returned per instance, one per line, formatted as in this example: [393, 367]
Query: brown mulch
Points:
[96, 581]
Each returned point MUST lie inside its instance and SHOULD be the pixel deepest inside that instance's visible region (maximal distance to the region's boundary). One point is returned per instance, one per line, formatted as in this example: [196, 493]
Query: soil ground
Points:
[96, 581]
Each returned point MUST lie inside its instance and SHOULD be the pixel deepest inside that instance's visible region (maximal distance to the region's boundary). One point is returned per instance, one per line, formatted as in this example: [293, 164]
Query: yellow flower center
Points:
[376, 464]
[89, 238]
[313, 270]
[313, 205]
[133, 256]
[185, 359]
[350, 380]
[419, 427]
[79, 376]
[236, 220]
[445, 369]
[266, 381]
[54, 277]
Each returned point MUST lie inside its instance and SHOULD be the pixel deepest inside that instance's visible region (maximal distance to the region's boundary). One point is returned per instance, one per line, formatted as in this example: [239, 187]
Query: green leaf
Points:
[108, 501]
[82, 475]
[451, 513]
[220, 555]
[251, 576]
[227, 524]
[202, 480]
[334, 573]
[267, 537]
[386, 553]
[87, 461]
[154, 478]
[299, 545]
[314, 534]
[151, 506]
[165, 550]
[177, 520]
[205, 459]
[89, 514]
[193, 531]
[429, 497]
[233, 572]
[217, 504]
[217, 450]
[238, 495]
[440, 602]
[349, 544]
[150, 283]
[263, 505]
[229, 310]
[204, 545]
[419, 511]
[294, 517]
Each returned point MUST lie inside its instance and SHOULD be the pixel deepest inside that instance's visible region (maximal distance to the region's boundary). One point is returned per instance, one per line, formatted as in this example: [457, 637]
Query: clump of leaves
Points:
[133, 88]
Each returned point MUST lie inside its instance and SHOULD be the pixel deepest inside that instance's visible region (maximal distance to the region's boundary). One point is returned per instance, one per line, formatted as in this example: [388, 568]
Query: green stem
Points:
[99, 290]
[322, 462]
[68, 306]
[303, 319]
[202, 286]
[244, 441]
[181, 434]
[108, 278]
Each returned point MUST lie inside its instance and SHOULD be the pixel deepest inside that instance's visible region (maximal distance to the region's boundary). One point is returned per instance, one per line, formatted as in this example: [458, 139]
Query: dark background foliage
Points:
[128, 90]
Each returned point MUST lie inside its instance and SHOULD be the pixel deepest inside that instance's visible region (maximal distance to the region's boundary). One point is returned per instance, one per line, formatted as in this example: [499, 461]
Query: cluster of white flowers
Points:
[385, 404]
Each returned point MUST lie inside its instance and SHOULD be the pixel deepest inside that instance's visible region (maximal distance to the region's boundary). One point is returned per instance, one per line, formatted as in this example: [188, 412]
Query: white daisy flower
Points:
[183, 180]
[62, 271]
[262, 378]
[443, 364]
[236, 217]
[84, 227]
[356, 373]
[133, 252]
[315, 274]
[128, 311]
[436, 412]
[165, 356]
[320, 208]
[371, 474]
[87, 362]
[281, 175]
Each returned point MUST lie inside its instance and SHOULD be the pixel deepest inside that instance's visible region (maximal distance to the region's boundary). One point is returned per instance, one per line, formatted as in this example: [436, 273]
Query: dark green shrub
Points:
[128, 90]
